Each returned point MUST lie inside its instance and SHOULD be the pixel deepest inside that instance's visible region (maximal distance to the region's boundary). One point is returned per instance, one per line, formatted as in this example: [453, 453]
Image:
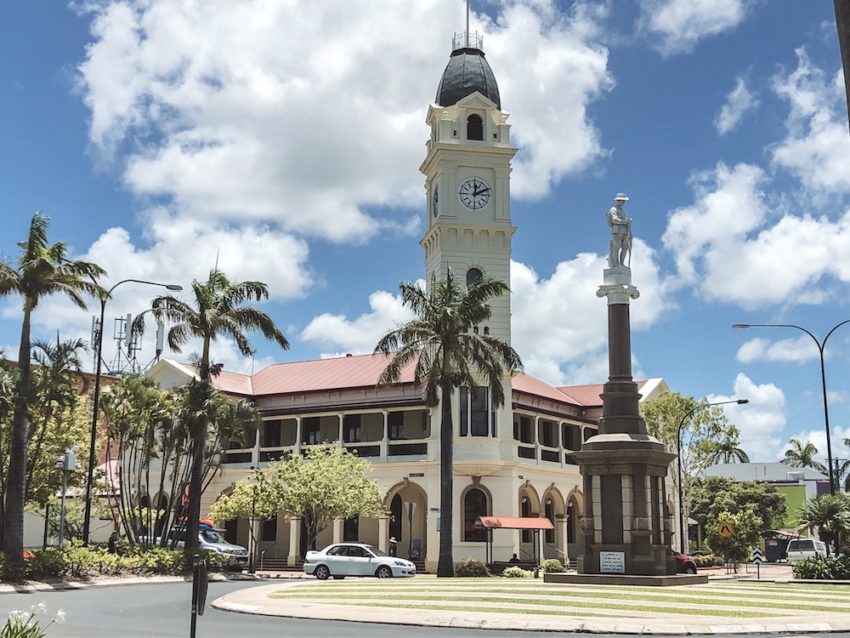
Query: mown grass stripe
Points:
[425, 603]
[705, 598]
[496, 610]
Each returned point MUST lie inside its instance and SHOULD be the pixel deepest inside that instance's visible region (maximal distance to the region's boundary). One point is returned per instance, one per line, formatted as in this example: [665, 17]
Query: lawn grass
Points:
[570, 600]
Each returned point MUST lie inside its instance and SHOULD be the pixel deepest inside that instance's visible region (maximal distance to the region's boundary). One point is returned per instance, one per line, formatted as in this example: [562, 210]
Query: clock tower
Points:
[467, 178]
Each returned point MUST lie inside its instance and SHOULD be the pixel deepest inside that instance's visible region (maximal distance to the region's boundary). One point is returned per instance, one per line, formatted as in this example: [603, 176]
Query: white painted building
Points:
[512, 461]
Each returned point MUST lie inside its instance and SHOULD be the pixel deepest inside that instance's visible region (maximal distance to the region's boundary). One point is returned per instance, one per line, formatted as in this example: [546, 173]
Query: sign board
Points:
[416, 474]
[612, 562]
[757, 556]
[725, 529]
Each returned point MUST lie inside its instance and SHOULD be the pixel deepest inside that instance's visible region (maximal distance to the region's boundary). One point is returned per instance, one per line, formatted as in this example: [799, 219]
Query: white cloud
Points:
[729, 203]
[680, 24]
[738, 102]
[723, 245]
[761, 421]
[300, 115]
[816, 148]
[794, 350]
[559, 325]
[359, 335]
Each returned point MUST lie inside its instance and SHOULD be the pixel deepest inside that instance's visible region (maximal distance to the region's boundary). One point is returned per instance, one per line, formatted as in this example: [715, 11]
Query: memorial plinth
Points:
[627, 524]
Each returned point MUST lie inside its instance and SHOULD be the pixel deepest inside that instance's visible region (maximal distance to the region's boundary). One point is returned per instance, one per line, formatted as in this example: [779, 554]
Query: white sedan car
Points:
[355, 559]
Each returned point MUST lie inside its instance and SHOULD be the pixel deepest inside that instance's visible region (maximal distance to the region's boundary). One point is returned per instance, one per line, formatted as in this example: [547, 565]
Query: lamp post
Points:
[821, 345]
[252, 542]
[104, 296]
[683, 531]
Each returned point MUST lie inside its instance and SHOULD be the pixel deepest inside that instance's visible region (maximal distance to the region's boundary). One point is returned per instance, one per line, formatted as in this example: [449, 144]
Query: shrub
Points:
[823, 568]
[553, 566]
[471, 568]
[516, 572]
[708, 560]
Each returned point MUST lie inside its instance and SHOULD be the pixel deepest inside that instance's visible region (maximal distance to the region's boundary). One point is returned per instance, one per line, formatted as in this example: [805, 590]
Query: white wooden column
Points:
[537, 439]
[341, 421]
[385, 441]
[298, 435]
[255, 452]
[294, 538]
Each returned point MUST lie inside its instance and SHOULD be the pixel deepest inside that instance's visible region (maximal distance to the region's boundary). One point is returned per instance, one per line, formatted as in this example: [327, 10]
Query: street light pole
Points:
[683, 531]
[821, 346]
[104, 296]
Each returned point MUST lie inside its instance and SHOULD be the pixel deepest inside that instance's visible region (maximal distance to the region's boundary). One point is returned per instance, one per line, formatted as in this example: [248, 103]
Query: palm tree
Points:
[727, 451]
[42, 271]
[54, 387]
[449, 352]
[217, 310]
[803, 455]
[829, 514]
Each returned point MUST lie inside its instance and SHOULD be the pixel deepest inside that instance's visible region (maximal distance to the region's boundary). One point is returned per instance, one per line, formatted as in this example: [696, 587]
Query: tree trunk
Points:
[13, 523]
[842, 22]
[445, 563]
[193, 515]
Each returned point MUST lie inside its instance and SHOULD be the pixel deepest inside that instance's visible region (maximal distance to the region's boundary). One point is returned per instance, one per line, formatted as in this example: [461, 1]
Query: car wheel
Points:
[338, 577]
[691, 569]
[384, 572]
[322, 572]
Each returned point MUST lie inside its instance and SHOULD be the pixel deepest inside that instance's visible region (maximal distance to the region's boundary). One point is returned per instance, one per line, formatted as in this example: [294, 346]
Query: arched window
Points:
[474, 505]
[474, 127]
[473, 276]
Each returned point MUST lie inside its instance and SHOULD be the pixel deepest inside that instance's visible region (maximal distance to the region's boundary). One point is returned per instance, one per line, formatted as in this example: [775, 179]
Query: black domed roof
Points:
[467, 72]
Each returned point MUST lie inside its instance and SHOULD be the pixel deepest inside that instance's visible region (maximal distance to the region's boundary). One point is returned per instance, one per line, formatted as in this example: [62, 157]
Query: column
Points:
[294, 535]
[338, 529]
[385, 441]
[628, 511]
[561, 443]
[341, 422]
[298, 435]
[255, 452]
[383, 534]
[537, 439]
[596, 500]
[561, 532]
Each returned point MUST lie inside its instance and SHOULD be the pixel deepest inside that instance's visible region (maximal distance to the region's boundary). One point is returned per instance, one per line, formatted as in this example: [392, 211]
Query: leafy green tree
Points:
[705, 435]
[803, 455]
[328, 483]
[746, 530]
[217, 309]
[829, 514]
[712, 495]
[42, 270]
[448, 351]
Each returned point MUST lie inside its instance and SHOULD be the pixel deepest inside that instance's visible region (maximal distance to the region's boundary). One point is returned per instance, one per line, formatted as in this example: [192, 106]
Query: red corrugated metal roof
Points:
[507, 522]
[589, 394]
[531, 385]
[325, 374]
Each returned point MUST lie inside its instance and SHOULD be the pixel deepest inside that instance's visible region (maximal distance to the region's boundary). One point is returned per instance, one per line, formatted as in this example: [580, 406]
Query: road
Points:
[133, 611]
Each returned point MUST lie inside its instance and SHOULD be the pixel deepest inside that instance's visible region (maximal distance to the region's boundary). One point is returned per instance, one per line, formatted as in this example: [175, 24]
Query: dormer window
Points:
[474, 127]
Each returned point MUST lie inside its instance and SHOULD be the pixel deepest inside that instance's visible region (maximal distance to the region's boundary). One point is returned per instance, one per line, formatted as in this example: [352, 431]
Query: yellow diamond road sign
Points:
[725, 529]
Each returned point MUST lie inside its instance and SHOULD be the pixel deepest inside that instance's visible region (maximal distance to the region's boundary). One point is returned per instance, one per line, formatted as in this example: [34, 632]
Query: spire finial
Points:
[467, 22]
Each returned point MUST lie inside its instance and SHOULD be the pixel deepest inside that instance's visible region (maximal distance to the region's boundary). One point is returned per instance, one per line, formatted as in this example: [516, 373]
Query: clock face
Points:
[474, 193]
[435, 205]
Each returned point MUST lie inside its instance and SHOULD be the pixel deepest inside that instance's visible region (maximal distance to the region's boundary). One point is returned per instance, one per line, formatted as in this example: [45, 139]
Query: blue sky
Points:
[158, 134]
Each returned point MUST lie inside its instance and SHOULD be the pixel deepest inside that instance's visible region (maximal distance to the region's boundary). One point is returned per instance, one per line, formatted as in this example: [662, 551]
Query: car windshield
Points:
[796, 546]
[211, 536]
[376, 551]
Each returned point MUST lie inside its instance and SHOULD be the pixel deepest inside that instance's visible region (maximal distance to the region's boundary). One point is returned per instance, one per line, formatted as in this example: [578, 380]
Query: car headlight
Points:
[402, 563]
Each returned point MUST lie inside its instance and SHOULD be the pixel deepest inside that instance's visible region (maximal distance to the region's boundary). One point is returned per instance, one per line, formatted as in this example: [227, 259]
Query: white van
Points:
[805, 548]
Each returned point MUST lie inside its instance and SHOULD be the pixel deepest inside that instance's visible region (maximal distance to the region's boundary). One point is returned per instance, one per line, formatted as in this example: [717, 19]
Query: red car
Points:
[685, 564]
